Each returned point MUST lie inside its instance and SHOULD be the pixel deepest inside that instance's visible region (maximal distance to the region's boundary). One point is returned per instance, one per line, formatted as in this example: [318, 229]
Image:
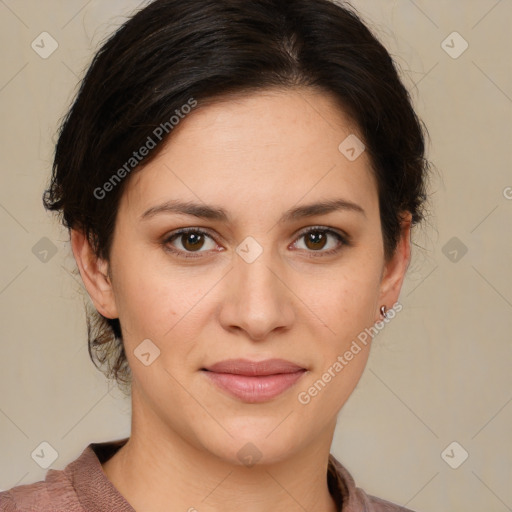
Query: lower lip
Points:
[254, 389]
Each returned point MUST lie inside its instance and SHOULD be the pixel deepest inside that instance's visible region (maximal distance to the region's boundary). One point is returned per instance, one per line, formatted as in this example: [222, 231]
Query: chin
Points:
[261, 441]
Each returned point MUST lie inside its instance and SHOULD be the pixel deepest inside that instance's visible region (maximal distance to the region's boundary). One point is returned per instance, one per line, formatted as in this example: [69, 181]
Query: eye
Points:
[316, 240]
[191, 240]
[321, 240]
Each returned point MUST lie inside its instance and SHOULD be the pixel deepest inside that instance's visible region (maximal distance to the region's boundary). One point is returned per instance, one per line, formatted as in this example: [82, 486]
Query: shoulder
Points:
[81, 486]
[56, 493]
[53, 494]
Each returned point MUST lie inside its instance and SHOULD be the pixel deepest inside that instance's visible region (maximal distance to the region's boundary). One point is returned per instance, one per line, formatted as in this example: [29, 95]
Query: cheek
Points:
[344, 306]
[143, 304]
[150, 296]
[343, 298]
[163, 303]
[344, 311]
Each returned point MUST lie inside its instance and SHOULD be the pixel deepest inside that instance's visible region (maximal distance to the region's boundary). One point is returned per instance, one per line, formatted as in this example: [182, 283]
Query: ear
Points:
[95, 275]
[394, 271]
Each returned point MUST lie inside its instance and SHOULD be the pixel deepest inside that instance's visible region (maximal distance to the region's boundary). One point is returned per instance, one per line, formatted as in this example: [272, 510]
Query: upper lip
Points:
[248, 367]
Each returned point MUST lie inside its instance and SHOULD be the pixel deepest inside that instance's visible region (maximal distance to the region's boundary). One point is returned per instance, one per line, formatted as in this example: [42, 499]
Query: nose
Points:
[257, 299]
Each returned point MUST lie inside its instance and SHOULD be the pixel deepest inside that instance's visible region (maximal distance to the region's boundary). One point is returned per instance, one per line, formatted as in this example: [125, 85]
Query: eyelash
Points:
[343, 239]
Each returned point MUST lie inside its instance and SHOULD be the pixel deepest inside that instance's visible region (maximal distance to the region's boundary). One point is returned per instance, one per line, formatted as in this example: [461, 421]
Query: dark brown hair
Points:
[172, 51]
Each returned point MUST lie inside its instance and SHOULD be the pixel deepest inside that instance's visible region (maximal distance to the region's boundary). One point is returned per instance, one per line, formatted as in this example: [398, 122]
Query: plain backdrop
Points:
[438, 374]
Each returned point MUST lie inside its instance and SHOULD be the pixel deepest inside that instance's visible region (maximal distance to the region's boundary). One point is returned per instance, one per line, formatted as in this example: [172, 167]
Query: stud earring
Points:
[383, 311]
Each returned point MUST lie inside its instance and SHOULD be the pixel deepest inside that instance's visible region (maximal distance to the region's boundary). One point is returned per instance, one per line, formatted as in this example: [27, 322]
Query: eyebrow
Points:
[203, 211]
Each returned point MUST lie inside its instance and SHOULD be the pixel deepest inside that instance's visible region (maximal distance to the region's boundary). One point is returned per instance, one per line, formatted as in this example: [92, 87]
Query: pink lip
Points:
[253, 381]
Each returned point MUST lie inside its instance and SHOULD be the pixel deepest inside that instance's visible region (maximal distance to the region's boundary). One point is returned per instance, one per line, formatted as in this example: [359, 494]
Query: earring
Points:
[383, 311]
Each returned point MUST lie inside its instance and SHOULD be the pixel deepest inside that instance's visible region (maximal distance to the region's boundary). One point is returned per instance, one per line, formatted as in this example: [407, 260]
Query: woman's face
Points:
[249, 283]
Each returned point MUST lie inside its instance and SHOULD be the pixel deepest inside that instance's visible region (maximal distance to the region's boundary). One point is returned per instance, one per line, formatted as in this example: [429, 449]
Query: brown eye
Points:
[315, 240]
[192, 241]
[188, 241]
[318, 240]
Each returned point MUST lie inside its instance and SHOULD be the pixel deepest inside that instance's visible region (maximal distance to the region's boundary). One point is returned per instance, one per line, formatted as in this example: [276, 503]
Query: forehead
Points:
[267, 147]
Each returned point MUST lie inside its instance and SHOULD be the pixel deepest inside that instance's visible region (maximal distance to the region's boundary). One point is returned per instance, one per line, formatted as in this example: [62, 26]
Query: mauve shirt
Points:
[83, 486]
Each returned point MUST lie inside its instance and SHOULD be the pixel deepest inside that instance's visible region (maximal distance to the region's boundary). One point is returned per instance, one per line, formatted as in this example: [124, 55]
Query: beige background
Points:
[440, 372]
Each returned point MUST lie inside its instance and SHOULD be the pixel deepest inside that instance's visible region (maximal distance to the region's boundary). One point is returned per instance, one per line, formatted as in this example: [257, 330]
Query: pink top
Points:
[83, 486]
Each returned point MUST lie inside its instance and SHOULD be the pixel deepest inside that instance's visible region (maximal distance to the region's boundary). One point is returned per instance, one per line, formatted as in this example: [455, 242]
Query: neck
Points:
[179, 473]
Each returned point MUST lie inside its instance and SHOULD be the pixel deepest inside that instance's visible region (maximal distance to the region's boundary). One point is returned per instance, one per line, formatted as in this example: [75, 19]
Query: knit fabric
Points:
[83, 486]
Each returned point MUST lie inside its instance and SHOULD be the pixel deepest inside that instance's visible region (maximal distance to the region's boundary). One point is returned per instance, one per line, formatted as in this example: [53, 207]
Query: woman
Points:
[240, 180]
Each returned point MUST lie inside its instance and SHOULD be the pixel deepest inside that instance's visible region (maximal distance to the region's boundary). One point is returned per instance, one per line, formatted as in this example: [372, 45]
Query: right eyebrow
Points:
[201, 211]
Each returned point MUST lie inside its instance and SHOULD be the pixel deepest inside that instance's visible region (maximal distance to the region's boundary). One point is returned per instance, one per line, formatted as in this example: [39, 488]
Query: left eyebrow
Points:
[321, 208]
[217, 213]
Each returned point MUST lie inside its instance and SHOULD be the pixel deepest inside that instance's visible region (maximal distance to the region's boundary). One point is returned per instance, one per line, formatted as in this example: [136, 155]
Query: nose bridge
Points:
[259, 276]
[258, 301]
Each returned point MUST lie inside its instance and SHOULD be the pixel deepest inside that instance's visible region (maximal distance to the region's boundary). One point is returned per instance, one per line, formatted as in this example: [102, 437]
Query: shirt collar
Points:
[97, 493]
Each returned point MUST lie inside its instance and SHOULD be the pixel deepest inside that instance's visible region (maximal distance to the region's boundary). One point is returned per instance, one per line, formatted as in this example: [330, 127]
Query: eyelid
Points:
[344, 239]
[342, 234]
[182, 231]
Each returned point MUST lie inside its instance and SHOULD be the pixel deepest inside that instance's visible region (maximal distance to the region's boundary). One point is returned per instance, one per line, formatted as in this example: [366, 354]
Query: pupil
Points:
[193, 240]
[317, 237]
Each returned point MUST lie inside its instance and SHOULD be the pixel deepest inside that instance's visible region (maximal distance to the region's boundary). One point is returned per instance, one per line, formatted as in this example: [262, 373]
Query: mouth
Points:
[254, 382]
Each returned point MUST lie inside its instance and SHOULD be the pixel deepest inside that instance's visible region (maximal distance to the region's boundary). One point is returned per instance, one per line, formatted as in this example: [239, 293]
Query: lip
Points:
[254, 381]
